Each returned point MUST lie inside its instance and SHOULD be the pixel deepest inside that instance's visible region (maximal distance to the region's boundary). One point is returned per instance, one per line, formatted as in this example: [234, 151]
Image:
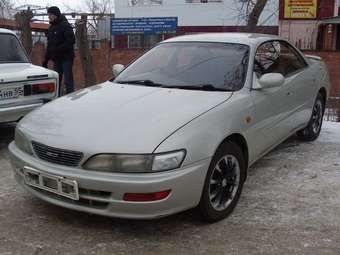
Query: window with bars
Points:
[203, 1]
[145, 2]
[136, 41]
[143, 41]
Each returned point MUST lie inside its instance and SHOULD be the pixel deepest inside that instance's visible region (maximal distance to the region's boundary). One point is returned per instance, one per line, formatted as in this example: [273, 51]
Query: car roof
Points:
[251, 39]
[6, 31]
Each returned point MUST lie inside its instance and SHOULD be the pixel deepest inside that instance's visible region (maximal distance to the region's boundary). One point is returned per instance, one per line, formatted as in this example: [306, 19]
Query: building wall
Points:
[325, 8]
[224, 13]
[304, 33]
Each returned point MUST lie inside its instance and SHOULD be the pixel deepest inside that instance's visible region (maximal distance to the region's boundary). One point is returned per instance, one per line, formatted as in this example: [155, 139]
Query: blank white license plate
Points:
[9, 93]
[52, 183]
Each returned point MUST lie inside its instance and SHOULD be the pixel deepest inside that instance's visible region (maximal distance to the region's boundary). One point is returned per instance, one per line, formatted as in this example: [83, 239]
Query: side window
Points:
[277, 57]
[266, 59]
[290, 59]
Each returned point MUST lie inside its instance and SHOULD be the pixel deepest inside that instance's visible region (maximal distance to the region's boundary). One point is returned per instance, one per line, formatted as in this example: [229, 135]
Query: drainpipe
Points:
[336, 8]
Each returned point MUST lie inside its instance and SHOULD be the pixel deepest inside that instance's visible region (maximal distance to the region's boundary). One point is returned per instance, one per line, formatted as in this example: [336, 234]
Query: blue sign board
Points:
[123, 26]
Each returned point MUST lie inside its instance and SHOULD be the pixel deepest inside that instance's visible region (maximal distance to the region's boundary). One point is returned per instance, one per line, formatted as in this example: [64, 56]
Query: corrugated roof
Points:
[13, 25]
[333, 20]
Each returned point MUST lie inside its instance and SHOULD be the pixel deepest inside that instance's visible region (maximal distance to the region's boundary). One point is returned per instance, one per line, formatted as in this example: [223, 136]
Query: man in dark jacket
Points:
[60, 47]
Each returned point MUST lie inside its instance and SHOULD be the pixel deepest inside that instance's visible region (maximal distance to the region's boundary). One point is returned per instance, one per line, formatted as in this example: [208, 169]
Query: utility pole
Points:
[84, 51]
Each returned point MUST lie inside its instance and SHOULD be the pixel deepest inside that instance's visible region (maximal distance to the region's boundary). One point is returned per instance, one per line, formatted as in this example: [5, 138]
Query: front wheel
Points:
[223, 184]
[312, 131]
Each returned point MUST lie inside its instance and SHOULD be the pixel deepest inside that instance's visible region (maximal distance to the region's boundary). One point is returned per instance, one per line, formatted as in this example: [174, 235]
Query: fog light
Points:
[146, 197]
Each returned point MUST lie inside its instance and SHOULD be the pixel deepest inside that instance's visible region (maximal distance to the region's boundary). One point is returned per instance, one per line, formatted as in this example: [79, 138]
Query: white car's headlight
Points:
[135, 163]
[22, 142]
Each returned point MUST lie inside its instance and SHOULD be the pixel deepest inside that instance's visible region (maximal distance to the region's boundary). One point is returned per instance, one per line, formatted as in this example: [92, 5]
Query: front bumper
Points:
[102, 193]
[14, 113]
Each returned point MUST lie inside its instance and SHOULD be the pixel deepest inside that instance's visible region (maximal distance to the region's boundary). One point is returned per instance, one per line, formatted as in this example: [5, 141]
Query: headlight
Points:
[135, 163]
[22, 142]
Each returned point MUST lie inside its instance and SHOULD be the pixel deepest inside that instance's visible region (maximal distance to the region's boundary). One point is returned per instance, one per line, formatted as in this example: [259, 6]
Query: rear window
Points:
[11, 50]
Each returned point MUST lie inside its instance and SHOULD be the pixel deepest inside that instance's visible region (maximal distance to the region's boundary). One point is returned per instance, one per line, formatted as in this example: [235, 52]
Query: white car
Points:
[176, 129]
[23, 86]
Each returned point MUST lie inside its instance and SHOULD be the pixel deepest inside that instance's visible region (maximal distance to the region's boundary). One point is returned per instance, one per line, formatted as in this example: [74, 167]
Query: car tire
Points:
[223, 183]
[312, 131]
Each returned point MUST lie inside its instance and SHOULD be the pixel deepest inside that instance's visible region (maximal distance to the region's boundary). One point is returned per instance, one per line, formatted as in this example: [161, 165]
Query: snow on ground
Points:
[330, 132]
[290, 204]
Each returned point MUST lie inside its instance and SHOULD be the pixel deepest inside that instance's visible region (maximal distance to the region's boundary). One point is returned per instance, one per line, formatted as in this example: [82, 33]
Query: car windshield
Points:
[11, 50]
[190, 65]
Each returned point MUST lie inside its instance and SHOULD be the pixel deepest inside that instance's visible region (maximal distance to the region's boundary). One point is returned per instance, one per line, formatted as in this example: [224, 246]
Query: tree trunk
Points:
[255, 15]
[84, 52]
[23, 19]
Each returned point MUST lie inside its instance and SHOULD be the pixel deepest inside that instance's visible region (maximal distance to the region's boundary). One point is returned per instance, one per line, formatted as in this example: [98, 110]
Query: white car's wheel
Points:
[312, 131]
[223, 184]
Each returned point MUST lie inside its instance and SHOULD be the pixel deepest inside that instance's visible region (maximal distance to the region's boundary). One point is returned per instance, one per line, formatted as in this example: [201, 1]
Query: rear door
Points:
[303, 82]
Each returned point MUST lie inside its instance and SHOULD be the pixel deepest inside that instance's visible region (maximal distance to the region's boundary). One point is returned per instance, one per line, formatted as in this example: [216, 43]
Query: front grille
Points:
[85, 202]
[57, 156]
[94, 193]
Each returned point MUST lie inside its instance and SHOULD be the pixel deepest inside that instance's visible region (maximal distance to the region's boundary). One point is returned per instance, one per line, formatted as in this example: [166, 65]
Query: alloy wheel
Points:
[224, 182]
[317, 116]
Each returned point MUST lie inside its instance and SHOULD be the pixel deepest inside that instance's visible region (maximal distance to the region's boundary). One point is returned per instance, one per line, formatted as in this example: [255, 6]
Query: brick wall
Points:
[102, 60]
[105, 57]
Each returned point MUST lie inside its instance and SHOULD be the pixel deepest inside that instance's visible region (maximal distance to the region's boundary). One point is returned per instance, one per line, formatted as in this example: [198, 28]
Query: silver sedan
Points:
[176, 129]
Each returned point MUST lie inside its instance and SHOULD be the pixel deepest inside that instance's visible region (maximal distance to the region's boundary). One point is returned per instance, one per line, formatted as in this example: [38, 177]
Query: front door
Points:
[273, 106]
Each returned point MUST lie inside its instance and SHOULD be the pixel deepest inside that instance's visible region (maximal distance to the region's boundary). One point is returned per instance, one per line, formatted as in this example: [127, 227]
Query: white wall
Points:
[302, 33]
[197, 14]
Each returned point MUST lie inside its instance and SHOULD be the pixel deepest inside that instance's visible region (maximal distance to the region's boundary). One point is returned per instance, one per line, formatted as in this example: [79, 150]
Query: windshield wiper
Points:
[149, 83]
[205, 87]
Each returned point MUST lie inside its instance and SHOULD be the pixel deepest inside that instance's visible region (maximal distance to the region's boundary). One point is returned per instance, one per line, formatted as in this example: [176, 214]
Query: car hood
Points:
[22, 72]
[115, 118]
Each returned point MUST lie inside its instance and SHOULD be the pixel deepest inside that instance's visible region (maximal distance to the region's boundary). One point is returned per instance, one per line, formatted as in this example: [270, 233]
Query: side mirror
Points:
[271, 80]
[117, 69]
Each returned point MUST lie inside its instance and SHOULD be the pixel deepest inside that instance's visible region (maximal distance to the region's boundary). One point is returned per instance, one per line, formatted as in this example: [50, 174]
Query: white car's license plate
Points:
[9, 93]
[52, 183]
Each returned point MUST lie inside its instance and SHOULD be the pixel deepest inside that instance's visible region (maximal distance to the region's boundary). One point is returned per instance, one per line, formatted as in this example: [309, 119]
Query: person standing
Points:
[60, 48]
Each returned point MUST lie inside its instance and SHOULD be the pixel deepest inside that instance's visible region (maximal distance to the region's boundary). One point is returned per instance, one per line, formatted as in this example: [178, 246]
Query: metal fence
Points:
[332, 112]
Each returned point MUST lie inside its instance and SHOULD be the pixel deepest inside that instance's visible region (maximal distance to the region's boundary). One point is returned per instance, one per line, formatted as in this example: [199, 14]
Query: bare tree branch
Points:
[250, 12]
[5, 7]
[255, 14]
[98, 7]
[24, 19]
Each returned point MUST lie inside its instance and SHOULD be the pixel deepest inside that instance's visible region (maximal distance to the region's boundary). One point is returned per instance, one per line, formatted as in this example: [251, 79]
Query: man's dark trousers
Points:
[64, 67]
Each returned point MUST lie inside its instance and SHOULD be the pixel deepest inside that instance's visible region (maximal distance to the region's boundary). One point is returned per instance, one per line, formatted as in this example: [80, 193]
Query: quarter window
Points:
[277, 57]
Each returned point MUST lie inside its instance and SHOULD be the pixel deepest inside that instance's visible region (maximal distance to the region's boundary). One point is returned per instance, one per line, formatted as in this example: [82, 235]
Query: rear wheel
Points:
[312, 131]
[224, 182]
